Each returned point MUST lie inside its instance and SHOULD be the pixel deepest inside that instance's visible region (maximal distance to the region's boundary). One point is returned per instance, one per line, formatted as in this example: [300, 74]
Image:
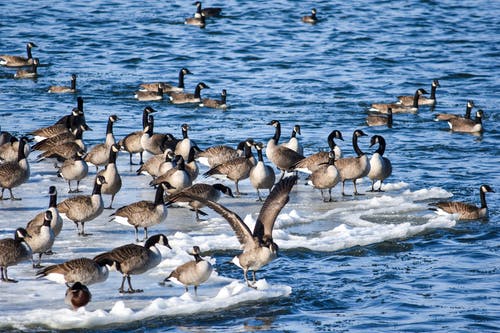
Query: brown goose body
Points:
[216, 155]
[13, 251]
[83, 270]
[282, 157]
[30, 73]
[64, 89]
[15, 173]
[187, 98]
[399, 108]
[422, 100]
[312, 162]
[466, 211]
[168, 88]
[131, 143]
[216, 103]
[18, 61]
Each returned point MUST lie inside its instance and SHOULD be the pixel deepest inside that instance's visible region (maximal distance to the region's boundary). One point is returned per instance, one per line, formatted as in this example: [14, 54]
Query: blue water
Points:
[322, 77]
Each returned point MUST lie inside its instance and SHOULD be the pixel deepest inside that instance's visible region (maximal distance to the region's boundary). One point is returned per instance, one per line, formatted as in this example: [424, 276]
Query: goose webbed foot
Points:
[49, 253]
[7, 280]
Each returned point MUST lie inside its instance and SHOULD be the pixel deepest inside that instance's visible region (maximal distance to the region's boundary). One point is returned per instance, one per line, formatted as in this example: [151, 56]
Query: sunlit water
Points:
[373, 263]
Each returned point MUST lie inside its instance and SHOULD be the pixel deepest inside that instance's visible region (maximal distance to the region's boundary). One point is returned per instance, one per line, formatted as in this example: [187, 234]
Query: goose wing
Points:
[276, 200]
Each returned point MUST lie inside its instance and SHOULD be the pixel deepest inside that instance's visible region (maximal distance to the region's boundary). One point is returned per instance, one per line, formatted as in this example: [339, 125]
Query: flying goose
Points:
[13, 251]
[399, 108]
[145, 95]
[18, 61]
[99, 154]
[207, 12]
[65, 89]
[83, 208]
[192, 273]
[215, 103]
[9, 150]
[422, 100]
[178, 177]
[294, 143]
[110, 173]
[380, 166]
[13, 174]
[353, 168]
[135, 259]
[56, 223]
[326, 176]
[168, 88]
[77, 295]
[258, 247]
[156, 143]
[216, 155]
[144, 213]
[84, 270]
[74, 169]
[131, 143]
[312, 19]
[262, 176]
[380, 119]
[465, 211]
[30, 73]
[42, 238]
[467, 125]
[236, 169]
[312, 162]
[206, 191]
[448, 116]
[196, 21]
[282, 157]
[184, 98]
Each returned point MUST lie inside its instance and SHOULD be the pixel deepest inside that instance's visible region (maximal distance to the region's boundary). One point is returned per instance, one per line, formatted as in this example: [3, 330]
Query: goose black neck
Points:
[79, 103]
[79, 134]
[482, 195]
[277, 133]
[389, 119]
[248, 151]
[468, 110]
[53, 200]
[181, 79]
[97, 188]
[181, 165]
[144, 118]
[294, 134]
[159, 195]
[313, 16]
[223, 98]
[28, 51]
[433, 92]
[151, 125]
[259, 155]
[46, 223]
[197, 90]
[331, 158]
[415, 99]
[20, 150]
[160, 90]
[184, 133]
[381, 146]
[197, 257]
[478, 120]
[73, 83]
[109, 128]
[33, 67]
[355, 145]
[112, 155]
[330, 141]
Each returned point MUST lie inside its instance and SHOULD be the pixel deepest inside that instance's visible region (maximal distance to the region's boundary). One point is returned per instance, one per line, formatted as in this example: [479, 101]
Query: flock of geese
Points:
[172, 169]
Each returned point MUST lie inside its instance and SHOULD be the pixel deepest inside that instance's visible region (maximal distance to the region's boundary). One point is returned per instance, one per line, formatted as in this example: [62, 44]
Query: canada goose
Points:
[75, 136]
[326, 176]
[294, 143]
[144, 213]
[206, 191]
[84, 270]
[56, 223]
[42, 238]
[152, 165]
[110, 173]
[196, 21]
[464, 210]
[448, 116]
[183, 98]
[168, 88]
[379, 119]
[380, 166]
[422, 100]
[65, 124]
[99, 154]
[83, 208]
[9, 150]
[399, 108]
[156, 143]
[77, 295]
[353, 168]
[135, 259]
[18, 61]
[64, 151]
[207, 12]
[178, 177]
[258, 247]
[192, 273]
[13, 174]
[467, 125]
[215, 103]
[28, 73]
[65, 89]
[145, 95]
[80, 117]
[5, 137]
[312, 162]
[262, 176]
[190, 165]
[236, 169]
[183, 147]
[312, 19]
[216, 155]
[132, 142]
[282, 157]
[74, 169]
[13, 251]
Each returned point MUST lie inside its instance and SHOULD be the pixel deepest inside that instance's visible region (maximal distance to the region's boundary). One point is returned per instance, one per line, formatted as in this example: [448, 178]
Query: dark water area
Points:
[323, 77]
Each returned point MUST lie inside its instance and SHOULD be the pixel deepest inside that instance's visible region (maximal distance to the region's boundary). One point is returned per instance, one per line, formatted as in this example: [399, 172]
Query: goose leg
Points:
[121, 290]
[141, 162]
[343, 185]
[258, 193]
[130, 289]
[6, 278]
[69, 186]
[111, 203]
[12, 195]
[330, 195]
[355, 188]
[136, 235]
[380, 187]
[145, 233]
[77, 187]
[83, 230]
[195, 290]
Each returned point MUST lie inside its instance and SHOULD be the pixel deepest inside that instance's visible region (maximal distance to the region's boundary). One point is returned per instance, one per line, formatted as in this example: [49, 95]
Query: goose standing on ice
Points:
[380, 166]
[282, 157]
[13, 174]
[99, 154]
[326, 176]
[262, 176]
[110, 173]
[13, 251]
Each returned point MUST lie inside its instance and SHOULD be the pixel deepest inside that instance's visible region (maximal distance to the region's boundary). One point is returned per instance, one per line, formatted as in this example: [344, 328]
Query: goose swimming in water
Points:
[465, 211]
[18, 61]
[168, 88]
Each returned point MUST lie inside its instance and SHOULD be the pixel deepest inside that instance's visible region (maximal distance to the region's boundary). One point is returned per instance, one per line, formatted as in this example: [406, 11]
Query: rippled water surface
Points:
[373, 263]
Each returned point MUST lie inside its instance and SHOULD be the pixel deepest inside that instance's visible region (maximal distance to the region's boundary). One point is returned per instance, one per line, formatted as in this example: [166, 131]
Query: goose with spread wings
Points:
[258, 246]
